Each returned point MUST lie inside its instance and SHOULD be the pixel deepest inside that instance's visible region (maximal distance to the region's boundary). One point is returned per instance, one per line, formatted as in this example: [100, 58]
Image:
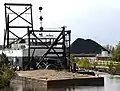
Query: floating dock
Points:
[53, 78]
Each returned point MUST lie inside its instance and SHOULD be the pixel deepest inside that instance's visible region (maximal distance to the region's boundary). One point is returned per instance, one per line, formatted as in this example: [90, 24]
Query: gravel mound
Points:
[50, 74]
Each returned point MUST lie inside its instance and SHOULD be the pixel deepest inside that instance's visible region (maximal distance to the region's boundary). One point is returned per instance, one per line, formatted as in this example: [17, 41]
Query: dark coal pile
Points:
[88, 46]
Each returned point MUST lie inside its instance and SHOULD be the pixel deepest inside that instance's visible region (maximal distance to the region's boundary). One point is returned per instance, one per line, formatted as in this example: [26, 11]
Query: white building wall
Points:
[14, 56]
[12, 53]
[39, 52]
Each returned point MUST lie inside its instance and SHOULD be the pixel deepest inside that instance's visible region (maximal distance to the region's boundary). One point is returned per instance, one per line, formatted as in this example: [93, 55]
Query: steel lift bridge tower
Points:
[29, 46]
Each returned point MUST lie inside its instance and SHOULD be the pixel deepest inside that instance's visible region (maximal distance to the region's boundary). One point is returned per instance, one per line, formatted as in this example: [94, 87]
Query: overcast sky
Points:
[94, 19]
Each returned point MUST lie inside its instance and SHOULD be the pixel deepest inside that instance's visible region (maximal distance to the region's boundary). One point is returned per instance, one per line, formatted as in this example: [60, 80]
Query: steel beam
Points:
[16, 4]
[20, 27]
[50, 31]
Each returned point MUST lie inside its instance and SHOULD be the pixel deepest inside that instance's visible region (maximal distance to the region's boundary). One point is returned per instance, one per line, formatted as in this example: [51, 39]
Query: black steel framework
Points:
[56, 48]
[7, 32]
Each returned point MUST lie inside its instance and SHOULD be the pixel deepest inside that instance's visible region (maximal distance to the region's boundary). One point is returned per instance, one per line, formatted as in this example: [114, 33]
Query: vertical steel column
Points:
[69, 64]
[64, 48]
[7, 28]
[4, 39]
[29, 61]
[31, 17]
[32, 55]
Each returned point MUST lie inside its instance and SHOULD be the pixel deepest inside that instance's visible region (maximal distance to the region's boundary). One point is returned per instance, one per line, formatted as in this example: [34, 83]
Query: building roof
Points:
[88, 46]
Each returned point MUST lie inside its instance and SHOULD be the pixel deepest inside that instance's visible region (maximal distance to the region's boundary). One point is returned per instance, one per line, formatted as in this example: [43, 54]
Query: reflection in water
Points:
[111, 84]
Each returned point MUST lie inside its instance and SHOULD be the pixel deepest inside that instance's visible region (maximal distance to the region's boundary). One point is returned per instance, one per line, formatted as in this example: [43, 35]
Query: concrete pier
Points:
[52, 78]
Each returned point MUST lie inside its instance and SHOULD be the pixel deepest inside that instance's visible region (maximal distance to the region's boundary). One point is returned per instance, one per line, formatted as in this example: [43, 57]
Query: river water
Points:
[111, 83]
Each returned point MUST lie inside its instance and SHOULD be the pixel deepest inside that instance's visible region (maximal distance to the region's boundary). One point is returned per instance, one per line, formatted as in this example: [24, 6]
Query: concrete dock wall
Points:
[29, 82]
[99, 81]
[92, 81]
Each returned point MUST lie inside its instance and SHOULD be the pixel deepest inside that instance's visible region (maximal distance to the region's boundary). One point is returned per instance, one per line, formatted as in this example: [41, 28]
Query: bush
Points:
[84, 63]
[95, 64]
[3, 60]
[116, 54]
[5, 73]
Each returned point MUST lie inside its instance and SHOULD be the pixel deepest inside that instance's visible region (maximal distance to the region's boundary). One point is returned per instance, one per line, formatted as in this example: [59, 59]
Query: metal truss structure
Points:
[57, 49]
